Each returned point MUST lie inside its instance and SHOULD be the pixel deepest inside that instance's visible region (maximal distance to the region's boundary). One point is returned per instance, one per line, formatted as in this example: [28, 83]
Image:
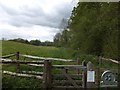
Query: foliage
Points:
[33, 42]
[93, 29]
[20, 40]
[62, 39]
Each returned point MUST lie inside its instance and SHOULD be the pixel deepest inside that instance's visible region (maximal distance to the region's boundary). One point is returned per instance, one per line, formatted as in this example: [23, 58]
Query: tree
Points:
[57, 39]
[35, 42]
[20, 40]
[92, 28]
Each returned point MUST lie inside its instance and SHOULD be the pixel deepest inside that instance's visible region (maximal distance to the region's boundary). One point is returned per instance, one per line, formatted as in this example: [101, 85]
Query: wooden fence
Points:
[48, 77]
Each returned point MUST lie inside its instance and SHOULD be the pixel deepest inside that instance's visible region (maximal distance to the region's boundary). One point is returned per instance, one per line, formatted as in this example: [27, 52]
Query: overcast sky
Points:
[33, 19]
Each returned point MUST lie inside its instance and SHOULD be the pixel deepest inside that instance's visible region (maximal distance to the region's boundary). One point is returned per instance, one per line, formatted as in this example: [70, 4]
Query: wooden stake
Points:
[17, 58]
[84, 79]
[47, 77]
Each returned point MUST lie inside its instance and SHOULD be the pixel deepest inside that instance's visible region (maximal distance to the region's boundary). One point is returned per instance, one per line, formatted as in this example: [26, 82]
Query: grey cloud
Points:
[27, 16]
[9, 10]
[64, 10]
[32, 11]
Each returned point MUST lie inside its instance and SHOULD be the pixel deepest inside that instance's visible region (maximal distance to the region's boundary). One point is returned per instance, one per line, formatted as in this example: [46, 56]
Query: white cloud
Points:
[30, 33]
[32, 19]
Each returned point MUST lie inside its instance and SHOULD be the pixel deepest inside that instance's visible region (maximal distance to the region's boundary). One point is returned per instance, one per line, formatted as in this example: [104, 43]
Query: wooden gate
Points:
[67, 76]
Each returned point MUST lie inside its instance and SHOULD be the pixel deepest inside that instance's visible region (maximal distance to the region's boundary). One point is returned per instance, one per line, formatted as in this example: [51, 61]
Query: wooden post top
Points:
[90, 66]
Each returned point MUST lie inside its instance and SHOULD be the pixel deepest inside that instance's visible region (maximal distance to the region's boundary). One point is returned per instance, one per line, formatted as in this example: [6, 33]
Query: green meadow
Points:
[10, 47]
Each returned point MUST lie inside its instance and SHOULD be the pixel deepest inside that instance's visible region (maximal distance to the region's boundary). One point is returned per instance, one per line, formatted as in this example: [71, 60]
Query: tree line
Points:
[92, 29]
[33, 42]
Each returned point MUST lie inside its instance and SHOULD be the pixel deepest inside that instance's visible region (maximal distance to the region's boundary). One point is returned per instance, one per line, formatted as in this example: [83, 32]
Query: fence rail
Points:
[21, 75]
[22, 62]
[48, 77]
[43, 58]
[107, 59]
[7, 56]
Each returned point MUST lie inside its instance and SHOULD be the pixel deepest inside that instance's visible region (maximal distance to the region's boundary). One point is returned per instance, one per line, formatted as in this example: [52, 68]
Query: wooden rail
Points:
[48, 77]
[21, 75]
[32, 72]
[71, 75]
[66, 81]
[66, 87]
[43, 58]
[107, 59]
[22, 62]
[69, 66]
[7, 56]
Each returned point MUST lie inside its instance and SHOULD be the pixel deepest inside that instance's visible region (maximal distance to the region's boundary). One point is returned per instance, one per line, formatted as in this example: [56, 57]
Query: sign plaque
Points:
[90, 76]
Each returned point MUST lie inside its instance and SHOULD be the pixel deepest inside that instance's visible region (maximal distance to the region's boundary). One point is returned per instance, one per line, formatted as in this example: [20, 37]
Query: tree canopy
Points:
[93, 29]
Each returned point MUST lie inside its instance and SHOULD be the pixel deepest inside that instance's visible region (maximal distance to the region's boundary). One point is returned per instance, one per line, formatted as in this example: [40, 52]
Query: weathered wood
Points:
[62, 66]
[107, 59]
[47, 76]
[7, 56]
[84, 79]
[18, 64]
[98, 77]
[67, 81]
[22, 62]
[71, 75]
[36, 65]
[90, 67]
[32, 72]
[70, 79]
[21, 75]
[2, 60]
[69, 66]
[98, 72]
[43, 58]
[78, 62]
[65, 87]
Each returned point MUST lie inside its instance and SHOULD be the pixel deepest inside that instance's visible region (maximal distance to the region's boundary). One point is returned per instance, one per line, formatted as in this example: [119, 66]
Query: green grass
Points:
[43, 51]
[10, 47]
[13, 83]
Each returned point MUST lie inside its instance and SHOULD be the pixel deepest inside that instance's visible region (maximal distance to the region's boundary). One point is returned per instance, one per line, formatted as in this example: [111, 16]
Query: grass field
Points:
[44, 51]
[9, 47]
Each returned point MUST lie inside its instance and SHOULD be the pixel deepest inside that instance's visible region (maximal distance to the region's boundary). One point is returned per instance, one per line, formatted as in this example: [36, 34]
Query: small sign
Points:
[90, 76]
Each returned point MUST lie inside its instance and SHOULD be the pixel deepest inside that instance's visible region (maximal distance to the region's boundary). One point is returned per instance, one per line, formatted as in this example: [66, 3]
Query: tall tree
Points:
[92, 29]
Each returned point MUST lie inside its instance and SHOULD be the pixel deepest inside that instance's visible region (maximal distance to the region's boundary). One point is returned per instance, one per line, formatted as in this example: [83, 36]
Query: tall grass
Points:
[44, 51]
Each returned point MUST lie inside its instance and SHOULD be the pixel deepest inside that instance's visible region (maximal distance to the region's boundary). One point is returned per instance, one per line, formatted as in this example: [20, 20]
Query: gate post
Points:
[84, 79]
[47, 77]
[98, 72]
[18, 64]
[78, 62]
[90, 84]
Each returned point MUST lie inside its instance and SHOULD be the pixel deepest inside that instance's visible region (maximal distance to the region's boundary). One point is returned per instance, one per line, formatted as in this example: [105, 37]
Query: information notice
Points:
[90, 76]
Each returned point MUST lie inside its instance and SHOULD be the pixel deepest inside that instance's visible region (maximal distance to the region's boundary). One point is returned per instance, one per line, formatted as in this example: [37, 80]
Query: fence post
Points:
[84, 79]
[90, 67]
[98, 72]
[78, 62]
[47, 77]
[17, 58]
